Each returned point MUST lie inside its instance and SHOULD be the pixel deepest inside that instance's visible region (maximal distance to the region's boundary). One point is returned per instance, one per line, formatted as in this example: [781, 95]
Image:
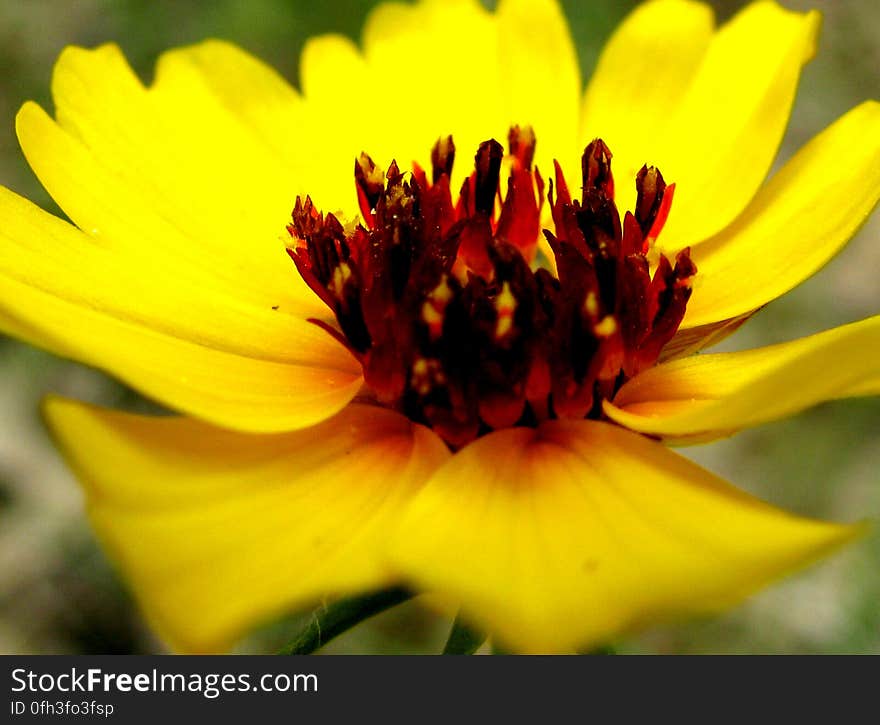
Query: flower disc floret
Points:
[452, 322]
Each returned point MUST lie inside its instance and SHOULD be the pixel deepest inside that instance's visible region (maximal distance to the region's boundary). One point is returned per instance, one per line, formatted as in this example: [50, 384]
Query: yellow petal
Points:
[334, 134]
[245, 88]
[180, 284]
[708, 109]
[643, 73]
[540, 76]
[456, 68]
[216, 531]
[869, 385]
[690, 340]
[795, 224]
[283, 148]
[707, 396]
[438, 61]
[190, 345]
[572, 534]
[170, 172]
[724, 134]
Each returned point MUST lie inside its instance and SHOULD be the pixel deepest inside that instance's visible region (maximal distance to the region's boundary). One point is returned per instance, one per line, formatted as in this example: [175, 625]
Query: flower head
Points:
[464, 392]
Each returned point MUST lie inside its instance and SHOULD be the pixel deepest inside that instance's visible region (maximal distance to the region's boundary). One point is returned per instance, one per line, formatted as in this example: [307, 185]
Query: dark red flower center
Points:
[453, 323]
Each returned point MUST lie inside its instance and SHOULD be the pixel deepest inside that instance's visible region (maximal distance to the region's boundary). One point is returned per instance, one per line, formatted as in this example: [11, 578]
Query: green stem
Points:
[341, 616]
[462, 639]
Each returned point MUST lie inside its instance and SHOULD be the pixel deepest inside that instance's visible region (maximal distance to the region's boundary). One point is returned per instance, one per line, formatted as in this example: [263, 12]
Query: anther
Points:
[488, 165]
[650, 187]
[521, 143]
[442, 158]
[596, 169]
[370, 182]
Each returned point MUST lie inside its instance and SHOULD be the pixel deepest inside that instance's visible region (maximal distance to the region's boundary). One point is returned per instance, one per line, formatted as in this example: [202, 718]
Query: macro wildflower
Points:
[431, 319]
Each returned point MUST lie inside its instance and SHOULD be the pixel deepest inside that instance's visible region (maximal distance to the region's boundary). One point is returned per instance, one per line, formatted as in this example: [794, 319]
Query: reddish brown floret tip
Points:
[488, 172]
[442, 158]
[521, 143]
[596, 169]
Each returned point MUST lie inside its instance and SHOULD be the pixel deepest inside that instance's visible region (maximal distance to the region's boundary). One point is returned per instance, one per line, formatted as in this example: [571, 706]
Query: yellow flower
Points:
[286, 482]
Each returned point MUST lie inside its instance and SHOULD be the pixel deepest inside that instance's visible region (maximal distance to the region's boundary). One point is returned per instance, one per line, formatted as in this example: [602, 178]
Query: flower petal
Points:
[688, 341]
[796, 223]
[663, 41]
[166, 172]
[217, 531]
[244, 87]
[715, 109]
[709, 396]
[725, 132]
[186, 343]
[456, 68]
[326, 59]
[180, 284]
[540, 76]
[435, 90]
[572, 534]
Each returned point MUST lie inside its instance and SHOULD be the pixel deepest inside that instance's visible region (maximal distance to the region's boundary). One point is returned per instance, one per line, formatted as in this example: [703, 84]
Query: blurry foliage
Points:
[58, 593]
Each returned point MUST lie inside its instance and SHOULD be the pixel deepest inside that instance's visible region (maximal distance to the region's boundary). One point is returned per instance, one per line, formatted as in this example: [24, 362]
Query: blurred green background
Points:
[59, 595]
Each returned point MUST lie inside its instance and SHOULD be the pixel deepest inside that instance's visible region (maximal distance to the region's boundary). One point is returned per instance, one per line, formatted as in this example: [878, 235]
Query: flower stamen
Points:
[442, 306]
